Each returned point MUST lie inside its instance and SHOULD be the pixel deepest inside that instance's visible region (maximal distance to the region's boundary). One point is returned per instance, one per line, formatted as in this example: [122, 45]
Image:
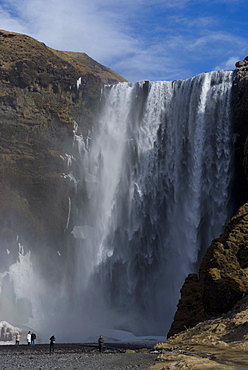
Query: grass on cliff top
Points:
[17, 47]
[81, 61]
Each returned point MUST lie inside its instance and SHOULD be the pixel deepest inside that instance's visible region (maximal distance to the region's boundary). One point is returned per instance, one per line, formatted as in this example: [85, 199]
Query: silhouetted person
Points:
[29, 338]
[33, 337]
[100, 343]
[52, 341]
[17, 339]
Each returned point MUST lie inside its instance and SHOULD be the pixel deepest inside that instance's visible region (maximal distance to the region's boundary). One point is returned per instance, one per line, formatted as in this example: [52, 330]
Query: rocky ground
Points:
[75, 356]
[216, 344]
[204, 357]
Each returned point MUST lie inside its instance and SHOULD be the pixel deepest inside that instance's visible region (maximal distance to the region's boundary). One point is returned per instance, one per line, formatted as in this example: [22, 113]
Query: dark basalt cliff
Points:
[223, 275]
[240, 124]
[43, 94]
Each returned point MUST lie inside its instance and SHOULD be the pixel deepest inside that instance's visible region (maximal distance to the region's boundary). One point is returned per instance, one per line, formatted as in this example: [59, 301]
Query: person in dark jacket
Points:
[52, 341]
[33, 337]
[100, 343]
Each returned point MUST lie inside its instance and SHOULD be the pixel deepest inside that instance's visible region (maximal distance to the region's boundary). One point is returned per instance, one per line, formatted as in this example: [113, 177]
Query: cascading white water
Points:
[157, 177]
[153, 192]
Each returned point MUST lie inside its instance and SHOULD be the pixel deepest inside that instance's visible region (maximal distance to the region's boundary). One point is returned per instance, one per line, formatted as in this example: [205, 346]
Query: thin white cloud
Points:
[191, 22]
[218, 45]
[215, 37]
[229, 64]
[8, 22]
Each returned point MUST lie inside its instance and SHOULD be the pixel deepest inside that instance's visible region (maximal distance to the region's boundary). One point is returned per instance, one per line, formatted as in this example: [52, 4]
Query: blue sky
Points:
[139, 39]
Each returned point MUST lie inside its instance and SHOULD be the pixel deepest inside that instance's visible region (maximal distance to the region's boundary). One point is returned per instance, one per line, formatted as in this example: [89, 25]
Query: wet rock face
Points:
[43, 92]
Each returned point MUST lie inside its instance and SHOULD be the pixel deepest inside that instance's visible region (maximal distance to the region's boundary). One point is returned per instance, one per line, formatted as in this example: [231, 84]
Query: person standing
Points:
[33, 337]
[17, 339]
[100, 343]
[52, 341]
[29, 338]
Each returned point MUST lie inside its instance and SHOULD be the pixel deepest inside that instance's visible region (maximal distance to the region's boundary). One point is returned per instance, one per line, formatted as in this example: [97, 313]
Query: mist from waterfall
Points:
[157, 174]
[151, 190]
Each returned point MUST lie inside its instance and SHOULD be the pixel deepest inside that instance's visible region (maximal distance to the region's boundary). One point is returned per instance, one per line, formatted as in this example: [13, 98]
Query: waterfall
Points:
[156, 178]
[151, 189]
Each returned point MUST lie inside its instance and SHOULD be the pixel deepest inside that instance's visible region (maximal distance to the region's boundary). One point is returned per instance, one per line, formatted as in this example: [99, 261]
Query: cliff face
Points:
[240, 124]
[223, 275]
[43, 94]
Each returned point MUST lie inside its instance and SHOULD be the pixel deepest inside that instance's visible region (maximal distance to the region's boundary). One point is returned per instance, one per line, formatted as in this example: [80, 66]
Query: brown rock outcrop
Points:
[223, 271]
[223, 277]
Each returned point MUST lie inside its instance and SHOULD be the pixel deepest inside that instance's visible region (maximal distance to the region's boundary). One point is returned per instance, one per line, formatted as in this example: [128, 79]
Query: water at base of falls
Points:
[155, 190]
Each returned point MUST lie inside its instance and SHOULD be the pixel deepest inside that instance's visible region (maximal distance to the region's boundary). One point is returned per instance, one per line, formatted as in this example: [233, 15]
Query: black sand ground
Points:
[75, 356]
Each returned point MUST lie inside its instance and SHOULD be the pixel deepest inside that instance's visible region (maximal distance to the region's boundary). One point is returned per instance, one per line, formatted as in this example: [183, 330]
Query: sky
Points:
[153, 40]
